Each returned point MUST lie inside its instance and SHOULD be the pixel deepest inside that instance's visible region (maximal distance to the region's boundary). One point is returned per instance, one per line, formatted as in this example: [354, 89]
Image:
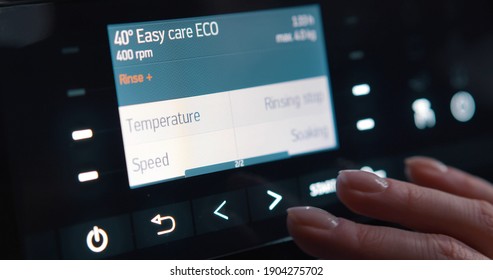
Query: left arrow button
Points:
[216, 212]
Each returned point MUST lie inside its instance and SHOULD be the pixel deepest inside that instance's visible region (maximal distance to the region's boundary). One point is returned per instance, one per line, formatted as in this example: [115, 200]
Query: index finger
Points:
[431, 173]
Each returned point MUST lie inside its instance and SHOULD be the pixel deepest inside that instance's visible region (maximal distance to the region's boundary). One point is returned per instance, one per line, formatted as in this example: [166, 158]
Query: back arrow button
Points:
[216, 212]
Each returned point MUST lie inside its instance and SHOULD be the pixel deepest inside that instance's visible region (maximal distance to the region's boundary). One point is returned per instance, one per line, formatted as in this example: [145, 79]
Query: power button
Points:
[97, 240]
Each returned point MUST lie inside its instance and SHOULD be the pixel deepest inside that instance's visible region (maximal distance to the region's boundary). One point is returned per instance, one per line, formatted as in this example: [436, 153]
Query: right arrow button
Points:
[271, 199]
[277, 199]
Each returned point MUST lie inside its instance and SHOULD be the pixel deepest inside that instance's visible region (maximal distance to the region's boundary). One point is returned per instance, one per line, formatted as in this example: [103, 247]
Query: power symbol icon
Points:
[97, 240]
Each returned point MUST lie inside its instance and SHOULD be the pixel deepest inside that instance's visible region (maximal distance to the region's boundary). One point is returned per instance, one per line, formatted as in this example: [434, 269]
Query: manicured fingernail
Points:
[312, 217]
[361, 181]
[427, 163]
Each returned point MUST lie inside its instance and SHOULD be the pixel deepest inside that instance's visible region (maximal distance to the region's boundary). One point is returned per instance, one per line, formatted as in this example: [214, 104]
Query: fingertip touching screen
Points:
[206, 94]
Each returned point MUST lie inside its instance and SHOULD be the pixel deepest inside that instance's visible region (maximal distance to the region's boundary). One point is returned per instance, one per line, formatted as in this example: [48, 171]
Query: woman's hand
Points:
[449, 211]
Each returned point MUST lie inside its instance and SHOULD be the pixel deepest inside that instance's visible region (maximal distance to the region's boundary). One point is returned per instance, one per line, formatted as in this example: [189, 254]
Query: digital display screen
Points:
[201, 95]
